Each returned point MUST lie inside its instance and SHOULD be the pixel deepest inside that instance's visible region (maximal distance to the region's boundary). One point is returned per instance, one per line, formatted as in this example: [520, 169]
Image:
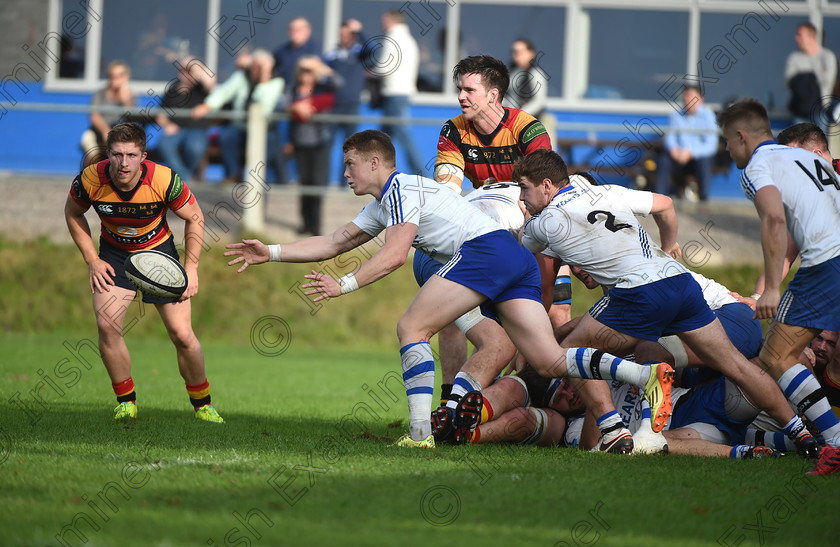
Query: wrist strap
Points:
[274, 253]
[348, 283]
[755, 295]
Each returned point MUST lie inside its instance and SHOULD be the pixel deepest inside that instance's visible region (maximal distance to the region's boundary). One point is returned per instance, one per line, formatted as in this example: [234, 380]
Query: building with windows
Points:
[609, 62]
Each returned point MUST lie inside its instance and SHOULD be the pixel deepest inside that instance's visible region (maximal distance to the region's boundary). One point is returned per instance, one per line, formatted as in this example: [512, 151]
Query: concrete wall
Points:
[22, 22]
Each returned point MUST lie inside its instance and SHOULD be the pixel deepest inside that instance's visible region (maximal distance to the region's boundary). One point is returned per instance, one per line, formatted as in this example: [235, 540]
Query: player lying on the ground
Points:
[419, 212]
[823, 361]
[650, 293]
[709, 420]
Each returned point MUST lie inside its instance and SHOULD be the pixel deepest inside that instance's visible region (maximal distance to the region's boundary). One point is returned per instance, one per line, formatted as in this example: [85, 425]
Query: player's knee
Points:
[183, 337]
[500, 347]
[108, 328]
[410, 329]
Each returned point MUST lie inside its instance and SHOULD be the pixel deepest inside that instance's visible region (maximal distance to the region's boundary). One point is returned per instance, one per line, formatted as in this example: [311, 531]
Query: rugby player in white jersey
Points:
[650, 293]
[710, 420]
[417, 212]
[478, 149]
[794, 191]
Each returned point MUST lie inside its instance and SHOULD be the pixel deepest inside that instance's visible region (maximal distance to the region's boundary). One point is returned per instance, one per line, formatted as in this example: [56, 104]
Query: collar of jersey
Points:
[765, 143]
[127, 195]
[567, 188]
[388, 184]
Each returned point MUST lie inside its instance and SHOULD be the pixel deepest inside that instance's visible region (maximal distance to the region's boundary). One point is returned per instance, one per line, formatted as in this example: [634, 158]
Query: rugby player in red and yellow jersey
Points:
[131, 196]
[482, 145]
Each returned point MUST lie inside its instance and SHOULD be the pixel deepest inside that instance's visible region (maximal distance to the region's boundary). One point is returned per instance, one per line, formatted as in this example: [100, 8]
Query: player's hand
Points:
[101, 276]
[767, 304]
[517, 365]
[674, 251]
[321, 284]
[808, 358]
[192, 285]
[250, 251]
[749, 301]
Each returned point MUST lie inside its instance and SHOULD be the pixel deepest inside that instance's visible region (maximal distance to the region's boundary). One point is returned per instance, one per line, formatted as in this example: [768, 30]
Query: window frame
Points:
[571, 98]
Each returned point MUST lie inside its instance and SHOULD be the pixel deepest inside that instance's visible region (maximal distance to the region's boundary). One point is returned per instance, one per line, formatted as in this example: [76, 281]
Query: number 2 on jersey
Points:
[823, 176]
[609, 221]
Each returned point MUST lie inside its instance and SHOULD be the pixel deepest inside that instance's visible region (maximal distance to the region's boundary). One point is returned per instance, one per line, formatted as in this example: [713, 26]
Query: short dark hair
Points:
[493, 72]
[803, 134]
[396, 15]
[748, 113]
[808, 25]
[542, 164]
[127, 132]
[372, 142]
[528, 43]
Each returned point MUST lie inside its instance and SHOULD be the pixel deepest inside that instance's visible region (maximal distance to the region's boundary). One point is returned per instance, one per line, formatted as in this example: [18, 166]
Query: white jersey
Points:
[595, 228]
[810, 193]
[444, 219]
[627, 399]
[500, 201]
[715, 294]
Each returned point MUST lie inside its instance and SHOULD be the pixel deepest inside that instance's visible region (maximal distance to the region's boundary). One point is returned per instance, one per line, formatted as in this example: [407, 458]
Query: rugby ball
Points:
[156, 274]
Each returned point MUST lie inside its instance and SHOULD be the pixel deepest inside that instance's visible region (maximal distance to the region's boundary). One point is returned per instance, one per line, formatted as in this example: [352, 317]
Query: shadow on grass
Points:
[76, 425]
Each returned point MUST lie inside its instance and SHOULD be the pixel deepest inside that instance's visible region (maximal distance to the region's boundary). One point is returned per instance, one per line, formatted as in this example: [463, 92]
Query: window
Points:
[633, 52]
[491, 30]
[261, 24]
[74, 31]
[746, 53]
[427, 22]
[152, 35]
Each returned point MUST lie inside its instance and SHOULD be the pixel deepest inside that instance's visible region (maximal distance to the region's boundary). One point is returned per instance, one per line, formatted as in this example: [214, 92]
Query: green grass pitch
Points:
[305, 458]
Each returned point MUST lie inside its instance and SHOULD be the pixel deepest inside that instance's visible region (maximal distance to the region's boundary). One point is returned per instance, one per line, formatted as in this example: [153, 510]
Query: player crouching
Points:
[131, 196]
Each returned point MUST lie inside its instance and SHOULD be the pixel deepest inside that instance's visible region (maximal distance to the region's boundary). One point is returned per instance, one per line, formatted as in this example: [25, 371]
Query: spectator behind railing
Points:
[312, 92]
[252, 84]
[184, 139]
[116, 93]
[347, 61]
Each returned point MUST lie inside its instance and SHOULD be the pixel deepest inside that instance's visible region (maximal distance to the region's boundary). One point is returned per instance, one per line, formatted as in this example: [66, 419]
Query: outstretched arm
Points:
[398, 240]
[310, 249]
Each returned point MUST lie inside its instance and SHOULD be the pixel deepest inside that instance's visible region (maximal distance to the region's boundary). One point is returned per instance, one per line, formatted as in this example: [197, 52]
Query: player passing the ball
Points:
[131, 195]
[418, 212]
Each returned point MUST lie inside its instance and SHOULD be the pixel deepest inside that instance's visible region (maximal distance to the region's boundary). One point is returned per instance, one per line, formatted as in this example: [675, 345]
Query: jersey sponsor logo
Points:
[533, 132]
[127, 231]
[444, 131]
[105, 209]
[126, 240]
[472, 153]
